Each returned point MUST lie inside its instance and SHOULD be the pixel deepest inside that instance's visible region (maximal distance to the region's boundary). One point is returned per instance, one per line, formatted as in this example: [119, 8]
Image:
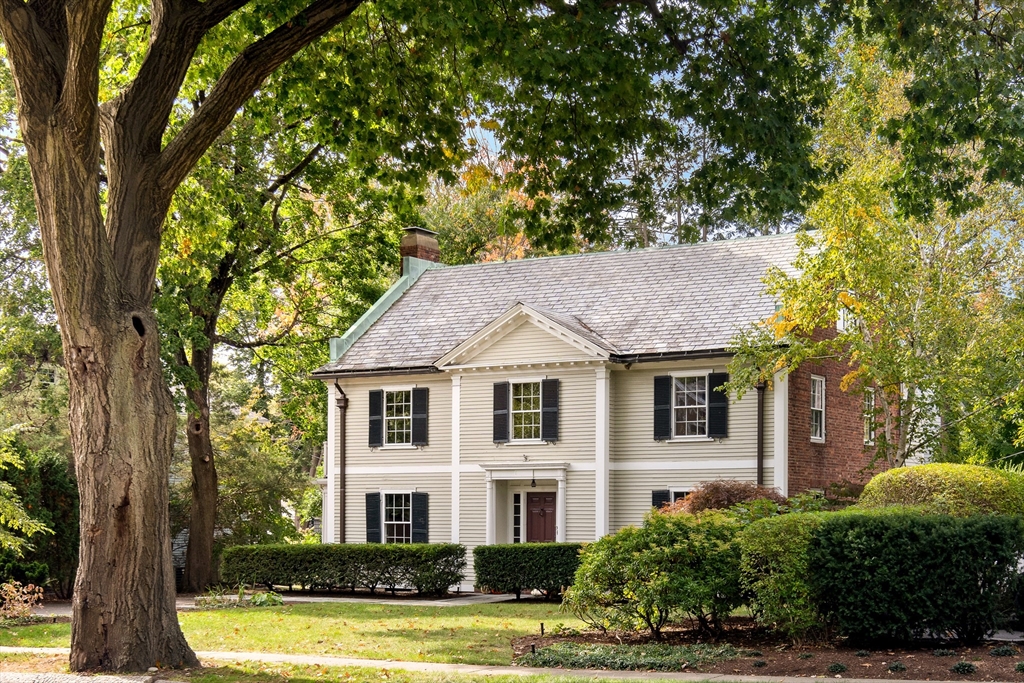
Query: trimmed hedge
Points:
[947, 489]
[515, 567]
[431, 568]
[893, 576]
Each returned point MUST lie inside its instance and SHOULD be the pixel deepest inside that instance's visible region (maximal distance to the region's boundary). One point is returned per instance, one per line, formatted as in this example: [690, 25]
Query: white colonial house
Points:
[558, 399]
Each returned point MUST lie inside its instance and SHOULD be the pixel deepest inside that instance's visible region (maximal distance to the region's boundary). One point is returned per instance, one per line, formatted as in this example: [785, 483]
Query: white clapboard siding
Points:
[579, 506]
[527, 343]
[575, 421]
[437, 486]
[439, 423]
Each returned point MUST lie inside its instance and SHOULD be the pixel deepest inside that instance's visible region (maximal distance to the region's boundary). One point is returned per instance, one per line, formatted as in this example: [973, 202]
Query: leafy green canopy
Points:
[16, 525]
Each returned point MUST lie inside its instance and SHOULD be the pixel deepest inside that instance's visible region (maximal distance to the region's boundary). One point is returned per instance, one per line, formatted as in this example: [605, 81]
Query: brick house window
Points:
[869, 417]
[817, 409]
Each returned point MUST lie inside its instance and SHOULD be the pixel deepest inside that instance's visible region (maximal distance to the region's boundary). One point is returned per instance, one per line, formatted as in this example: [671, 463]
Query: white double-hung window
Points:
[817, 409]
[869, 416]
[526, 411]
[690, 403]
[398, 417]
[398, 518]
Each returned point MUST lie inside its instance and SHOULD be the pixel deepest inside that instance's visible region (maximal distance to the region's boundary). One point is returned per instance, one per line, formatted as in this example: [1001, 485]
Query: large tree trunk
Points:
[199, 569]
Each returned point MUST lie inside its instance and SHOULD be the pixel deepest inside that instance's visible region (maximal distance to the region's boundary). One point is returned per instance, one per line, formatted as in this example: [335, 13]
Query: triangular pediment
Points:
[523, 334]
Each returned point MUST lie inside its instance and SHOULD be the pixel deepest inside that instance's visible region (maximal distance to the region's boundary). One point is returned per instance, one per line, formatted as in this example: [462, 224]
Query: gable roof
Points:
[641, 304]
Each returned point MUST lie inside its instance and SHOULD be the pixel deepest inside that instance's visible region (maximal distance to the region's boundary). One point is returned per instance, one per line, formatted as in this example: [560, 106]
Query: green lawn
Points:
[474, 634]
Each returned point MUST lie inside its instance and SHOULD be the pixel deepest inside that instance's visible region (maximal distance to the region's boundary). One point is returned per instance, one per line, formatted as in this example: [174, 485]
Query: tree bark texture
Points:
[102, 270]
[199, 569]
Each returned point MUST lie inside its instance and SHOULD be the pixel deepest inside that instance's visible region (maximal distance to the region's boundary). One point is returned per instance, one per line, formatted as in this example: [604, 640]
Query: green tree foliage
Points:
[45, 485]
[927, 309]
[16, 524]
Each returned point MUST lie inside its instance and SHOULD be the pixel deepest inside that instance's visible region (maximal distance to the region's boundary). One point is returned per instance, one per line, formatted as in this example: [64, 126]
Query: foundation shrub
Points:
[723, 494]
[947, 489]
[430, 568]
[774, 574]
[676, 565]
[896, 575]
[518, 567]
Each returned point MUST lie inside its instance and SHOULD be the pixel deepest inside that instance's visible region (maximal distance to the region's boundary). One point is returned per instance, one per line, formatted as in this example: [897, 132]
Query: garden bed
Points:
[755, 651]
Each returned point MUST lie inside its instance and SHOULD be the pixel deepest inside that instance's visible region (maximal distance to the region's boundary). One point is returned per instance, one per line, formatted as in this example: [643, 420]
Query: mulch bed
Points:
[782, 658]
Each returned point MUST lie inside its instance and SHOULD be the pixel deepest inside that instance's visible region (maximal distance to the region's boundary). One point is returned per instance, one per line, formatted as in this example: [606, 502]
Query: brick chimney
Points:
[419, 243]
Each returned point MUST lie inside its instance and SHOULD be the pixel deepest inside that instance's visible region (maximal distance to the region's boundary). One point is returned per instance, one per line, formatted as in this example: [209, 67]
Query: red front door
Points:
[540, 517]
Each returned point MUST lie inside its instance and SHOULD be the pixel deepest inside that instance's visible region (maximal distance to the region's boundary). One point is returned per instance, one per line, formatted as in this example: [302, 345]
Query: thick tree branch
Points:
[240, 80]
[38, 58]
[78, 109]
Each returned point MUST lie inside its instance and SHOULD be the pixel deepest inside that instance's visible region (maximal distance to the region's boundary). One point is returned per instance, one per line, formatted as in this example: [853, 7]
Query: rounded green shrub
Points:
[836, 668]
[897, 667]
[948, 489]
[675, 565]
[774, 573]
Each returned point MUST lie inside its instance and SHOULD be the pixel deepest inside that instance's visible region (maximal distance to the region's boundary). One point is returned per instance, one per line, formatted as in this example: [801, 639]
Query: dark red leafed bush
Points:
[723, 494]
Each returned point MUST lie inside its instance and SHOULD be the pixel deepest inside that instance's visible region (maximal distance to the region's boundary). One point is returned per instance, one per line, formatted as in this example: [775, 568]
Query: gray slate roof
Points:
[687, 298]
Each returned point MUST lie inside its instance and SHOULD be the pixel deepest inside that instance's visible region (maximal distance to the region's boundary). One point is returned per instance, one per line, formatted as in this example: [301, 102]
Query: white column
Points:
[602, 440]
[489, 516]
[330, 508]
[780, 417]
[456, 459]
[560, 510]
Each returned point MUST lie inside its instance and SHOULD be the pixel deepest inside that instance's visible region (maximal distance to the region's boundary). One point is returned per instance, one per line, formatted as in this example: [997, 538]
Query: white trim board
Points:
[674, 465]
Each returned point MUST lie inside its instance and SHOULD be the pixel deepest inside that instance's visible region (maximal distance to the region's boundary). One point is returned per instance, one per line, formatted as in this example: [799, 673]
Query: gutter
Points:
[667, 355]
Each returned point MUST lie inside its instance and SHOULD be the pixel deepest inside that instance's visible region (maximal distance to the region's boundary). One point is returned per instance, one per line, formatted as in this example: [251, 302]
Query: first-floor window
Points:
[869, 416]
[398, 518]
[398, 417]
[817, 408]
[517, 518]
[691, 406]
[679, 495]
[525, 411]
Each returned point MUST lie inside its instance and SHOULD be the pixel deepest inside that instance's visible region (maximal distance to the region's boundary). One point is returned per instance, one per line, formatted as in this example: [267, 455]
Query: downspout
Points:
[760, 433]
[342, 403]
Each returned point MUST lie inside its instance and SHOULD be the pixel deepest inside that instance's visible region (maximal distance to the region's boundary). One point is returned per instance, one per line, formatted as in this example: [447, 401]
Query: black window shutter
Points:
[420, 518]
[376, 418]
[549, 410]
[661, 497]
[662, 408]
[718, 406]
[420, 400]
[501, 412]
[373, 518]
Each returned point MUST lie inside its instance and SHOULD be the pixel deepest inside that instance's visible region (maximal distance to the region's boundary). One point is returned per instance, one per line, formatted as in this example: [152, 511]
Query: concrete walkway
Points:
[473, 671]
[62, 608]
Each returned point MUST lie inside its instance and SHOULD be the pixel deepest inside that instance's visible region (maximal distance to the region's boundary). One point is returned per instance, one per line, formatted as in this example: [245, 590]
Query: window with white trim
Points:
[526, 411]
[398, 518]
[690, 405]
[817, 408]
[517, 518]
[869, 416]
[398, 417]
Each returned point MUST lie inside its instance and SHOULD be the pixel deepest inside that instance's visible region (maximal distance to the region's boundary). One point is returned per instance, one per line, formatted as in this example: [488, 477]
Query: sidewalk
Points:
[62, 608]
[474, 670]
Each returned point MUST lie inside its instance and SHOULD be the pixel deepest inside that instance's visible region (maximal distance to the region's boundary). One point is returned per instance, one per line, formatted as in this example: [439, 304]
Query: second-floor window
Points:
[526, 411]
[397, 417]
[691, 406]
[817, 408]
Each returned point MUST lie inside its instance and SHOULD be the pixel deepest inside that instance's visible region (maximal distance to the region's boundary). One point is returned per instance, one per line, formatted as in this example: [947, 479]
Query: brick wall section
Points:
[843, 456]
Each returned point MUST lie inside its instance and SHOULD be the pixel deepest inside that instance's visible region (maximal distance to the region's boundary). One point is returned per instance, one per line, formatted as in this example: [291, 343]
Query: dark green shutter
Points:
[662, 408]
[549, 410]
[376, 418]
[373, 518]
[718, 406]
[420, 518]
[420, 400]
[501, 412]
[660, 497]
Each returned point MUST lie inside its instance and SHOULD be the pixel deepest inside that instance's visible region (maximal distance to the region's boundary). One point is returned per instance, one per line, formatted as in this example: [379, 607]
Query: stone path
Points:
[472, 671]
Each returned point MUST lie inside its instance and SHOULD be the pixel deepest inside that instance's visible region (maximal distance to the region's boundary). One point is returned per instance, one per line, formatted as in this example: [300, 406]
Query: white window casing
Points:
[817, 409]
